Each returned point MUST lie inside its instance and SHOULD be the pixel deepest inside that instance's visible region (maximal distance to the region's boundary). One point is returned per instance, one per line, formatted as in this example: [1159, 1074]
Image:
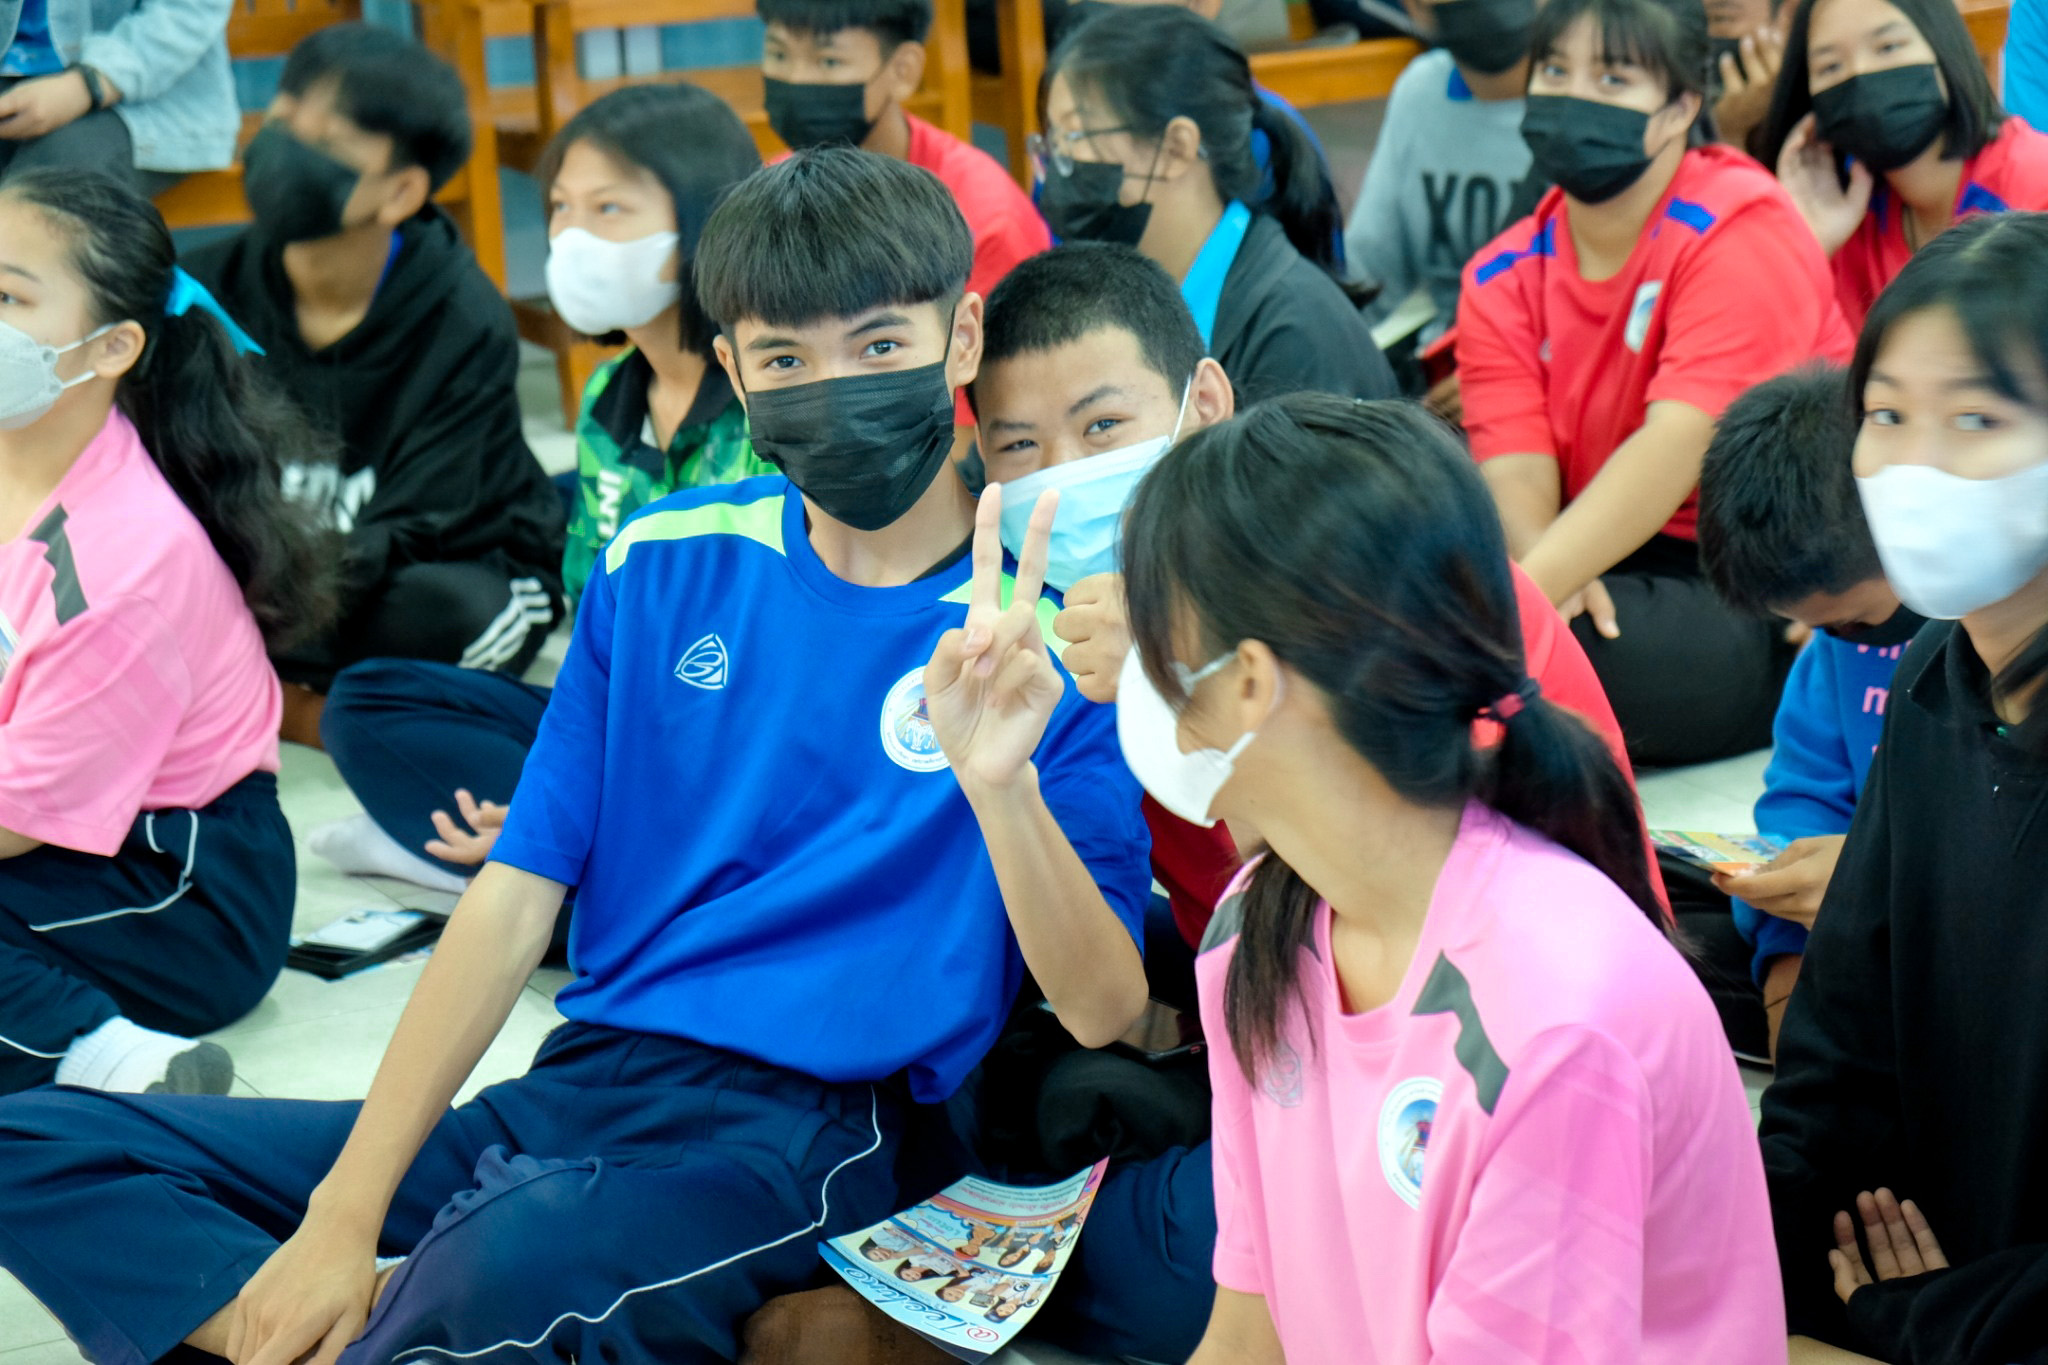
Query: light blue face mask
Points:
[1094, 491]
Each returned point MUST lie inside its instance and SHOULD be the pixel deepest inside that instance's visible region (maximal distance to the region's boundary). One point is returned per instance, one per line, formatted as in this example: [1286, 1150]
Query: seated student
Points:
[1747, 47]
[1909, 1095]
[146, 556]
[139, 89]
[722, 1055]
[631, 179]
[1450, 164]
[1885, 129]
[841, 71]
[376, 318]
[1323, 610]
[1599, 339]
[1149, 113]
[1091, 366]
[1782, 535]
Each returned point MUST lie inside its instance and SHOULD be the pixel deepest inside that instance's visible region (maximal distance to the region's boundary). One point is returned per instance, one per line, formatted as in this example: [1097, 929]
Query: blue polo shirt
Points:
[771, 856]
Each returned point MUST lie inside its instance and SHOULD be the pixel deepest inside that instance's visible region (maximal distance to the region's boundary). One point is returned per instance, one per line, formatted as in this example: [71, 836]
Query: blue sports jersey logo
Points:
[705, 664]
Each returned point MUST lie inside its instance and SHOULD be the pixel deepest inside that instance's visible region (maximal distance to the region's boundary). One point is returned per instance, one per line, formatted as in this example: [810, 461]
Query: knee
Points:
[364, 694]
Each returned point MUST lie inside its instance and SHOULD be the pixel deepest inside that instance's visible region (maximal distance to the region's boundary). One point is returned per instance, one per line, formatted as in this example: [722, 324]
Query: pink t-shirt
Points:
[132, 675]
[1538, 1150]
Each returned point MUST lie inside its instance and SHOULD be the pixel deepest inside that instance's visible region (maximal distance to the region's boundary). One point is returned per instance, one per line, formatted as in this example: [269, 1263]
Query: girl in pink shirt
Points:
[1470, 1103]
[146, 557]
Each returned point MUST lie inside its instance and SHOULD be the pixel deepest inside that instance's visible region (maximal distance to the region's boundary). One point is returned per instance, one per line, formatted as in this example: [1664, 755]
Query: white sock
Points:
[121, 1055]
[360, 847]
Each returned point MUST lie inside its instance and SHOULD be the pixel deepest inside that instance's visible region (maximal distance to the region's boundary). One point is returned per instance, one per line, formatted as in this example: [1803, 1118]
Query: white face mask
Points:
[1149, 733]
[1094, 491]
[1950, 545]
[598, 286]
[29, 386]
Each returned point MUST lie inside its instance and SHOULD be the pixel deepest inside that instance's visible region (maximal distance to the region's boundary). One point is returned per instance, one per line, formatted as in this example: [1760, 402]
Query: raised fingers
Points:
[1037, 539]
[985, 596]
[1931, 1254]
[1904, 1247]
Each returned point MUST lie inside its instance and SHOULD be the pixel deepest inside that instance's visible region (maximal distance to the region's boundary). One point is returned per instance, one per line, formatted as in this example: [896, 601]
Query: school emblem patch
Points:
[1638, 330]
[705, 664]
[1405, 1123]
[907, 734]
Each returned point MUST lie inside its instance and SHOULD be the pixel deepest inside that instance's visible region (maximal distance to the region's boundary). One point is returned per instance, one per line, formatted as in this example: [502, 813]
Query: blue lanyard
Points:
[1203, 288]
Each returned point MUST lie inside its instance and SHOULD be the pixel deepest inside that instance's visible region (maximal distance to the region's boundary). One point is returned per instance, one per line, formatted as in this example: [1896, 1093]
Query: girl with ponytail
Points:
[1470, 1101]
[147, 558]
[1153, 130]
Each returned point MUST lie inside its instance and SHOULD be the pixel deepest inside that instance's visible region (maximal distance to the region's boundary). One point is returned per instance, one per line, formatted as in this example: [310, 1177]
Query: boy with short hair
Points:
[841, 71]
[1782, 533]
[375, 316]
[769, 803]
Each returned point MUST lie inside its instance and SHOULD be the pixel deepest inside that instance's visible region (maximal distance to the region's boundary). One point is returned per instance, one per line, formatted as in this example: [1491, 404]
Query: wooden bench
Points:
[271, 29]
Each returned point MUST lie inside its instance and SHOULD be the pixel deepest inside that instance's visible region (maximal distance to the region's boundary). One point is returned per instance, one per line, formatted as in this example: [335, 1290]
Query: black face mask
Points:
[1591, 151]
[1882, 118]
[863, 448]
[1082, 205]
[818, 115]
[1487, 35]
[1896, 629]
[296, 192]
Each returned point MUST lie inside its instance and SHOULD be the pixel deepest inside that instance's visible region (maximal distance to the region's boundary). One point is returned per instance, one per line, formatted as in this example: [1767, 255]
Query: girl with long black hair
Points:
[1470, 1102]
[1150, 116]
[1885, 129]
[147, 558]
[1600, 338]
[1912, 1086]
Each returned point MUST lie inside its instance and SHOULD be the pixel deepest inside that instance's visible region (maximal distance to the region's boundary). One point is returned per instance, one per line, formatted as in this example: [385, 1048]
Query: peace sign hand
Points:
[991, 686]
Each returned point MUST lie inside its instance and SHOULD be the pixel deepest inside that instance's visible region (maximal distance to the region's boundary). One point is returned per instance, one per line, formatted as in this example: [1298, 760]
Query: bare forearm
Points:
[1635, 493]
[1078, 951]
[13, 845]
[1240, 1332]
[492, 943]
[1525, 489]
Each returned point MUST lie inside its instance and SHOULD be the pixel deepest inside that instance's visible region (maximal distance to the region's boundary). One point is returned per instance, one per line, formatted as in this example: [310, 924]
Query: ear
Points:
[1180, 148]
[1685, 110]
[1259, 690]
[1213, 399]
[116, 353]
[721, 346]
[963, 356]
[281, 106]
[410, 189]
[903, 73]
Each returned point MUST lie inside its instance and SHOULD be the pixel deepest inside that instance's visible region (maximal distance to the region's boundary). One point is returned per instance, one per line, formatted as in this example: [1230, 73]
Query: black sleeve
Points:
[439, 485]
[1831, 1118]
[1992, 1311]
[1315, 341]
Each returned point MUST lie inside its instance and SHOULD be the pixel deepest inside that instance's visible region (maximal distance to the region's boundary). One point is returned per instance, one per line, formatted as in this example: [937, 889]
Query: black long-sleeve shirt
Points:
[1915, 1050]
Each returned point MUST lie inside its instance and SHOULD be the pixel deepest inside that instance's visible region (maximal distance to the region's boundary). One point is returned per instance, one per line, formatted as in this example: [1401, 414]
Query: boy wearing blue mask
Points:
[1782, 533]
[809, 737]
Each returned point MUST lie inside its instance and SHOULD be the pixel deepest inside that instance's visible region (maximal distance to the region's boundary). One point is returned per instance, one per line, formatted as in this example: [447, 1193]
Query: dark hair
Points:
[828, 233]
[1151, 64]
[1059, 296]
[691, 142]
[1974, 113]
[1780, 519]
[217, 429]
[893, 22]
[1990, 272]
[388, 84]
[1358, 542]
[1668, 37]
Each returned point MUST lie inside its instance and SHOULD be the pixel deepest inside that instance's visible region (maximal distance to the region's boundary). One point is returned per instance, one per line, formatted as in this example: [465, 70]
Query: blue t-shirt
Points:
[1823, 740]
[770, 853]
[2026, 62]
[32, 52]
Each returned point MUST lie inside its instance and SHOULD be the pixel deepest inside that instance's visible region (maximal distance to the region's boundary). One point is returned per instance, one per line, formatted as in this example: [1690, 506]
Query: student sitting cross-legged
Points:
[146, 557]
[809, 741]
[433, 751]
[379, 322]
[1782, 534]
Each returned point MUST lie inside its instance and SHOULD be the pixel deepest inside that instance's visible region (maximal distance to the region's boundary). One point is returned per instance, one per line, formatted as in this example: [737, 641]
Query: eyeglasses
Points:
[1054, 155]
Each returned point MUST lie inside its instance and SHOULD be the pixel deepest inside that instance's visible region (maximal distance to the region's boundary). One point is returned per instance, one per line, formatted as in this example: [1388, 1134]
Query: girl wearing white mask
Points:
[434, 751]
[1909, 1099]
[1470, 1104]
[147, 558]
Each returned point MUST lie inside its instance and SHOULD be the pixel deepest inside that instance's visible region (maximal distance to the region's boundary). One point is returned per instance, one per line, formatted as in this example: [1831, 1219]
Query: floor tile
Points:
[59, 1352]
[22, 1320]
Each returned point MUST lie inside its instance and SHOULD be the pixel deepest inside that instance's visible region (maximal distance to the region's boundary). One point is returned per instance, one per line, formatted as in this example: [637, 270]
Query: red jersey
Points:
[1004, 221]
[2011, 172]
[1195, 865]
[1726, 288]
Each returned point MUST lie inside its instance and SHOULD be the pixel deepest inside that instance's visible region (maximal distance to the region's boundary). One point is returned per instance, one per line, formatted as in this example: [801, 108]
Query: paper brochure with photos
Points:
[967, 1268]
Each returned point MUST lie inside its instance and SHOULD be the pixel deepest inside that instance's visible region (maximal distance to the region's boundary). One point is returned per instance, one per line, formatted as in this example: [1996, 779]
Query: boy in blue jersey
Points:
[1782, 533]
[809, 743]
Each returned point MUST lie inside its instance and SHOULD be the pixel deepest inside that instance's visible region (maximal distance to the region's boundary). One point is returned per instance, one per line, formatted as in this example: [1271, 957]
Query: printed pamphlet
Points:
[1731, 853]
